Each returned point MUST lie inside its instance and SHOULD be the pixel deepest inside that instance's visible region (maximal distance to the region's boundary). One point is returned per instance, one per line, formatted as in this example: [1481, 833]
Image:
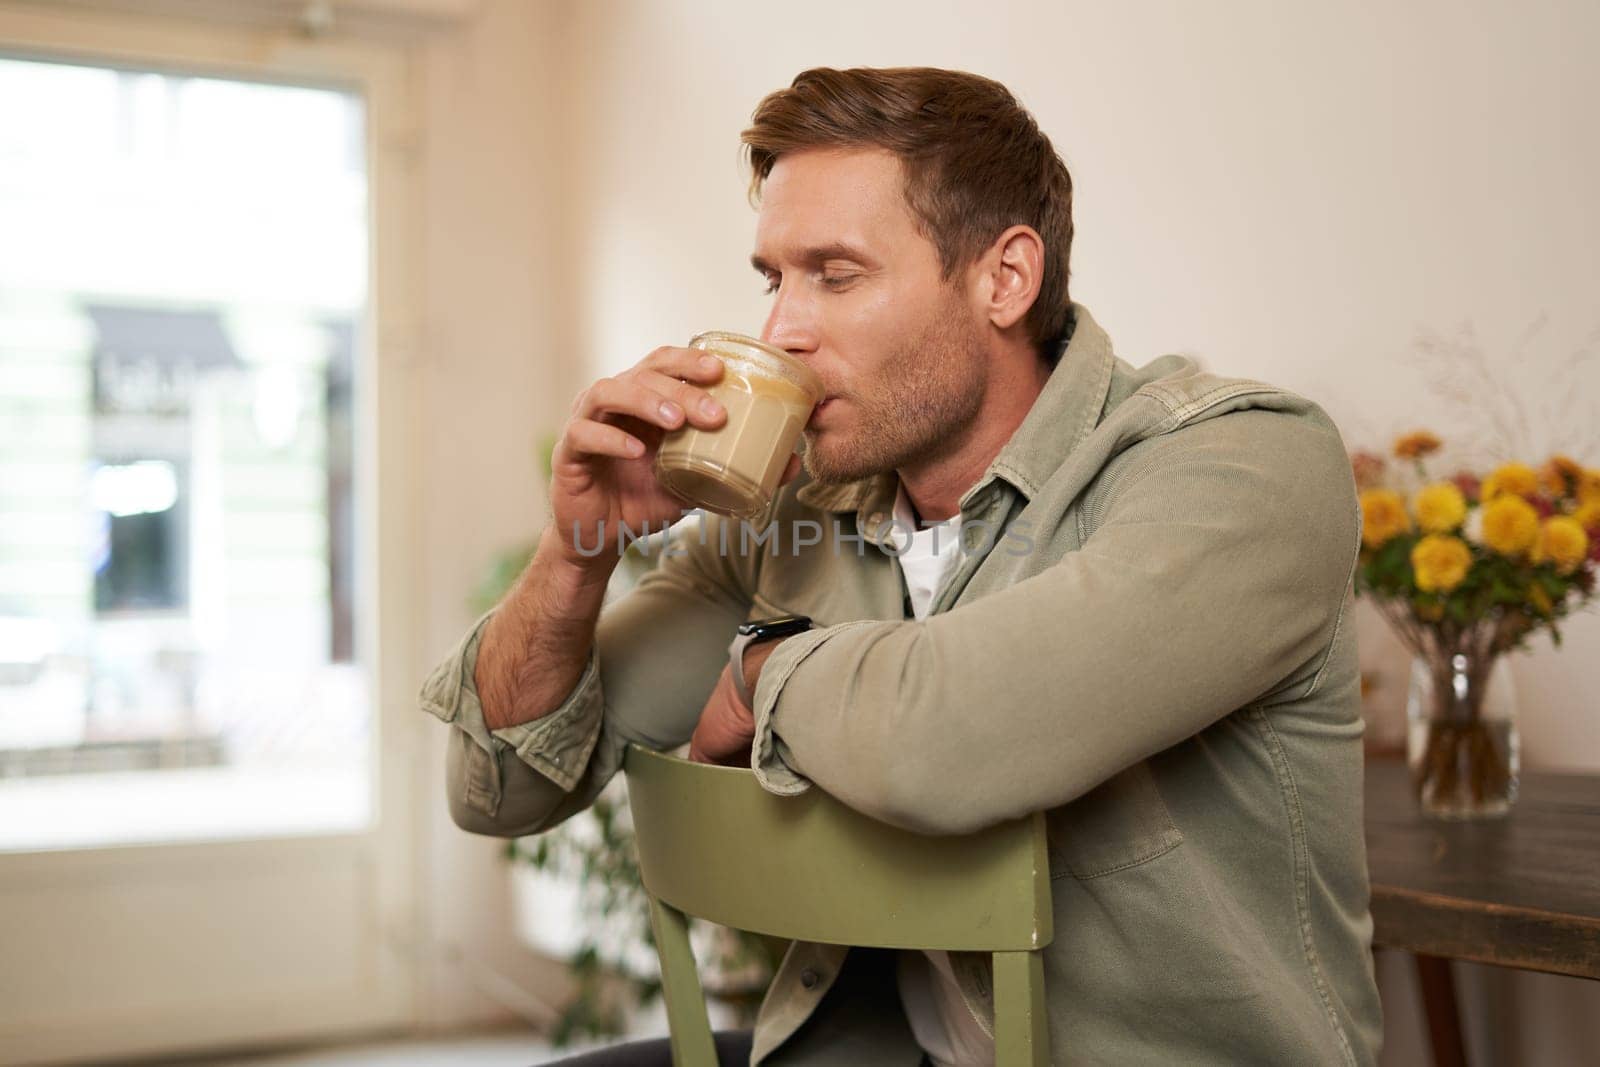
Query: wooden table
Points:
[1522, 891]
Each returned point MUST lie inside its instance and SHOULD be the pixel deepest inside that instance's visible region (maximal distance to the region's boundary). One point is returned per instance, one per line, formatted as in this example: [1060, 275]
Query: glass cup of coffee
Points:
[734, 470]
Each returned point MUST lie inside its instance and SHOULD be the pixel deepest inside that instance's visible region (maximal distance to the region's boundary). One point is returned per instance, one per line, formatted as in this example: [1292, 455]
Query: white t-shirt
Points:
[940, 1019]
[927, 556]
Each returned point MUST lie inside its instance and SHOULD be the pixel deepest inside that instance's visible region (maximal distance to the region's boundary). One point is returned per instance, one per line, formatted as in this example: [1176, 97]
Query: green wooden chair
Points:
[714, 844]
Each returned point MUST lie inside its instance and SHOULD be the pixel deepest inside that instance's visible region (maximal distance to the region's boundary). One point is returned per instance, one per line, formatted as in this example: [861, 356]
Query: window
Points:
[183, 276]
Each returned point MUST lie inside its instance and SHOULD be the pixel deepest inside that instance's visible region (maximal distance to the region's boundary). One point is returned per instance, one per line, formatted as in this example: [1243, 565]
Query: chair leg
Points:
[687, 1021]
[1021, 1027]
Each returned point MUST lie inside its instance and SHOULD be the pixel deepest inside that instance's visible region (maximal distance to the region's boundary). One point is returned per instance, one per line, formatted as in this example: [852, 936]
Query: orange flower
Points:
[1562, 542]
[1383, 516]
[1517, 479]
[1589, 486]
[1416, 444]
[1510, 525]
[1560, 475]
[1588, 516]
[1440, 562]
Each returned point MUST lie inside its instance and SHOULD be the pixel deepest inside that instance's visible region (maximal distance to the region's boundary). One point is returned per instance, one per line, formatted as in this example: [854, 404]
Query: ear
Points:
[1013, 270]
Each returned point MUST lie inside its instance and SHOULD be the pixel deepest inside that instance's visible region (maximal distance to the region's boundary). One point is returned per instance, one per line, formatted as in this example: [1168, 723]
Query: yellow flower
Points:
[1510, 525]
[1383, 515]
[1560, 475]
[1517, 479]
[1440, 507]
[1589, 486]
[1588, 515]
[1440, 562]
[1416, 444]
[1562, 542]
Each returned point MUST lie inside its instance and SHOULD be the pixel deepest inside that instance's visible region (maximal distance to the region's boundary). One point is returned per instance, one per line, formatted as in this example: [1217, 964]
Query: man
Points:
[1143, 631]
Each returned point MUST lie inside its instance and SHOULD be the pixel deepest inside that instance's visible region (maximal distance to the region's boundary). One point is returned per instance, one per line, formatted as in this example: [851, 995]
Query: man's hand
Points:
[602, 472]
[727, 726]
[602, 477]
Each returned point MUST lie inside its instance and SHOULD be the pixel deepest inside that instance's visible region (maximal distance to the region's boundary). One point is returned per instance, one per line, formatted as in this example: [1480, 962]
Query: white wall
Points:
[488, 383]
[1290, 192]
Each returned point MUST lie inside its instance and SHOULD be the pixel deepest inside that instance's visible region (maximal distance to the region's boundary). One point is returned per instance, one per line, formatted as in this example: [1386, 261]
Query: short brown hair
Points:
[975, 162]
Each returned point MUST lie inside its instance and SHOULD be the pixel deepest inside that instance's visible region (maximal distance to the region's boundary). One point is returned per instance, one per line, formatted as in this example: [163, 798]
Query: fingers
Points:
[791, 472]
[663, 391]
[587, 437]
[680, 374]
[689, 364]
[699, 406]
[651, 397]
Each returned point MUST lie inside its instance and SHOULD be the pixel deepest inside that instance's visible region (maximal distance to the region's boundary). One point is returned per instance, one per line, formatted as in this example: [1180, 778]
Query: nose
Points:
[791, 324]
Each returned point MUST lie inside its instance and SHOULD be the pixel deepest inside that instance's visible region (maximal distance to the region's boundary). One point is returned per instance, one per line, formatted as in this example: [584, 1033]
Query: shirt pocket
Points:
[1119, 824]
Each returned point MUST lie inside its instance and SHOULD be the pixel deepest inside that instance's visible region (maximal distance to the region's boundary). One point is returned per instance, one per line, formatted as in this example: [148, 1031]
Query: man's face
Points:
[858, 295]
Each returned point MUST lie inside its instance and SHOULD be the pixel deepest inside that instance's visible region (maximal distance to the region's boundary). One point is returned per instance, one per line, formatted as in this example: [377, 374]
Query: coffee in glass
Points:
[734, 470]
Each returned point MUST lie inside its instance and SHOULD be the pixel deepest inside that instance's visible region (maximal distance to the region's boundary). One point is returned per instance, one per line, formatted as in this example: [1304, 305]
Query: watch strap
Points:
[736, 650]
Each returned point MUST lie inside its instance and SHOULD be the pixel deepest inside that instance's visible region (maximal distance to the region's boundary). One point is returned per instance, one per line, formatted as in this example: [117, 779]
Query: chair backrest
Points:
[714, 844]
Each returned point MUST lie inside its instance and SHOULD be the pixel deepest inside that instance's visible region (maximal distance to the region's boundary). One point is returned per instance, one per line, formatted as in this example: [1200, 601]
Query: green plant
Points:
[603, 863]
[595, 849]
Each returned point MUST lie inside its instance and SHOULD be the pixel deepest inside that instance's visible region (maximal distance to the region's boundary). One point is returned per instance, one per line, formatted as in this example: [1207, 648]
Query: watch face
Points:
[782, 626]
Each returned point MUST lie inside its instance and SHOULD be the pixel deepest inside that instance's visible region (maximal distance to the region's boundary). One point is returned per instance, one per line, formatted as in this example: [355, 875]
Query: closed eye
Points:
[832, 282]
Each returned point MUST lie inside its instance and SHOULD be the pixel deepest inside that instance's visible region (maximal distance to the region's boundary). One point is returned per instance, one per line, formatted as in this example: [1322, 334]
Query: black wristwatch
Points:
[755, 632]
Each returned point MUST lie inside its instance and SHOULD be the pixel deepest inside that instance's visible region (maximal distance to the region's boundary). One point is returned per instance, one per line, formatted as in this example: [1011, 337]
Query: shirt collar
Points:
[905, 524]
[1067, 408]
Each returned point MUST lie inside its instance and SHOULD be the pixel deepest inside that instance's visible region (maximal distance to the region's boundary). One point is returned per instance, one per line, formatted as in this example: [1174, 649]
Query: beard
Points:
[916, 408]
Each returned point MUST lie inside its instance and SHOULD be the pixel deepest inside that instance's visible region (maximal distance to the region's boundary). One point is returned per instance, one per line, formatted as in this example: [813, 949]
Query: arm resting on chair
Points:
[1216, 579]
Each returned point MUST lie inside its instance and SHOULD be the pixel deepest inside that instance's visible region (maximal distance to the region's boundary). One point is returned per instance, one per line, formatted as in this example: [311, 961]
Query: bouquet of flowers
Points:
[1466, 569]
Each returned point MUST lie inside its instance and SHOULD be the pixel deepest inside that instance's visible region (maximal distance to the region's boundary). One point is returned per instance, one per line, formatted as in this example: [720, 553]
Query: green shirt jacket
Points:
[1147, 635]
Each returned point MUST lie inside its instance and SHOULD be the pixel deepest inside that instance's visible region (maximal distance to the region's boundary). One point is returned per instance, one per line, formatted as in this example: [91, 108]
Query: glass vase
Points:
[1462, 742]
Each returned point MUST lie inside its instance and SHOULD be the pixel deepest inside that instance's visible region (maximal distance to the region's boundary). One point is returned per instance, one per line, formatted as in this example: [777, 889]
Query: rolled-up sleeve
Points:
[1215, 580]
[657, 653]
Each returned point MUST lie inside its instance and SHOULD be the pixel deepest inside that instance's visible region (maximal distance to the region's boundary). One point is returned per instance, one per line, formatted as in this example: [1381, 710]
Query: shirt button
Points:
[810, 978]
